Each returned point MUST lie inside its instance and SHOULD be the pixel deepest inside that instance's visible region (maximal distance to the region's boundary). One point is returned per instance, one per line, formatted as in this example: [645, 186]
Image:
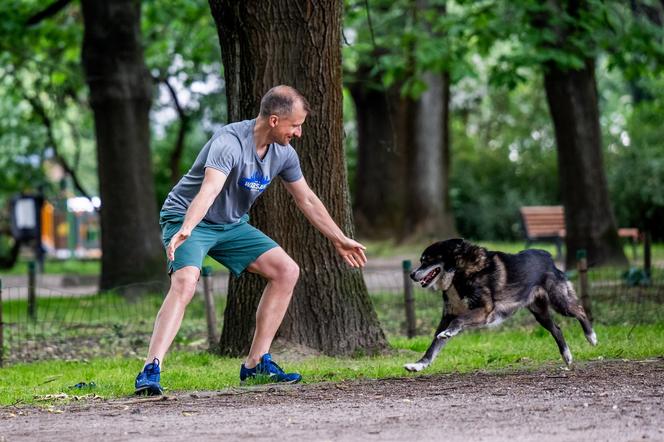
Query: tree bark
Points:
[589, 219]
[120, 96]
[297, 43]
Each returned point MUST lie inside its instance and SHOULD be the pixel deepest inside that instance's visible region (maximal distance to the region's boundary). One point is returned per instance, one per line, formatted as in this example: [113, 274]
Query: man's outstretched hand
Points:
[352, 252]
[176, 241]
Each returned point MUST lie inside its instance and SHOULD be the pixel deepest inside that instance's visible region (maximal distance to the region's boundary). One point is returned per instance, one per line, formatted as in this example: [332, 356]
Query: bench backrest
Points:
[543, 221]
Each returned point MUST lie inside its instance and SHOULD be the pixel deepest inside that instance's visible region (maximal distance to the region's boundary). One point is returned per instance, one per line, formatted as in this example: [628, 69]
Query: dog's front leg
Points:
[435, 347]
[476, 317]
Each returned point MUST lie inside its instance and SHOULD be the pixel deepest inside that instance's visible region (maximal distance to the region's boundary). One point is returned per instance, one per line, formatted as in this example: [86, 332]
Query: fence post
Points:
[408, 298]
[647, 241]
[582, 267]
[32, 291]
[2, 332]
[210, 312]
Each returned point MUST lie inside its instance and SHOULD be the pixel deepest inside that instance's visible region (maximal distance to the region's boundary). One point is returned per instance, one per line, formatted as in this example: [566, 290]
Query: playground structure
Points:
[70, 228]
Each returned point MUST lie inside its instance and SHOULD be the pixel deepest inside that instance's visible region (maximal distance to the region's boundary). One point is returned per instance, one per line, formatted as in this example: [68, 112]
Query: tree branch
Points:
[41, 112]
[178, 149]
[50, 11]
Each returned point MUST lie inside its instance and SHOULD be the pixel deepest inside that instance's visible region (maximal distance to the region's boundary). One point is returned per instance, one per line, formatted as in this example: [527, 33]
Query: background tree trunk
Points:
[381, 186]
[120, 96]
[572, 98]
[429, 213]
[297, 43]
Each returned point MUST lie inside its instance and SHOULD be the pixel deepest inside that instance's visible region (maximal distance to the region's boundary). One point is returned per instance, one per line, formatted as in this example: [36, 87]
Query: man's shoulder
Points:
[239, 129]
[232, 134]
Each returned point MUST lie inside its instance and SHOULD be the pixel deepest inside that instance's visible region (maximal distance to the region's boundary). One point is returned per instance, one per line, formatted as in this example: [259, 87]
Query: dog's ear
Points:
[470, 257]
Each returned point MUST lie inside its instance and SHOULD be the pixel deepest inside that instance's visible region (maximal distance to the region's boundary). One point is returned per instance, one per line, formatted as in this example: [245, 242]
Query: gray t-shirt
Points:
[232, 151]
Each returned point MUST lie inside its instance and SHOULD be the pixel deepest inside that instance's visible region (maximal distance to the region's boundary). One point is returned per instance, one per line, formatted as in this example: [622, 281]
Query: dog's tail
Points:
[563, 299]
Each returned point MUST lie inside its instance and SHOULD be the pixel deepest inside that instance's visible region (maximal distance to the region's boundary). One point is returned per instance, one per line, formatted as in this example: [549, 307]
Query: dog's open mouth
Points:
[430, 277]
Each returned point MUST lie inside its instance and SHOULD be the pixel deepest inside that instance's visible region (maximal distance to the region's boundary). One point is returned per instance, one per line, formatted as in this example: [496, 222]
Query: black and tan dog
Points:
[482, 287]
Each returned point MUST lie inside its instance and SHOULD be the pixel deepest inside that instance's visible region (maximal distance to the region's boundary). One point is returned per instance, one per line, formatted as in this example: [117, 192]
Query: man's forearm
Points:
[197, 210]
[210, 188]
[318, 215]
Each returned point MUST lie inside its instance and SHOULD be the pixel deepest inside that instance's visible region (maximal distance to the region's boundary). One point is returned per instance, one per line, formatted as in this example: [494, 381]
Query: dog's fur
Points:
[482, 287]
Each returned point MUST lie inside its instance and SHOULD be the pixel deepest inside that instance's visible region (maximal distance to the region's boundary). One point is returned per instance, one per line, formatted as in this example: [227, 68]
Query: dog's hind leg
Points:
[564, 300]
[540, 309]
[435, 347]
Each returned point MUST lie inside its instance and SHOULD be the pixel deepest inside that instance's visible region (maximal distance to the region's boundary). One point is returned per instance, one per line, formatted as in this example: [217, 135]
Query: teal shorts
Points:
[235, 246]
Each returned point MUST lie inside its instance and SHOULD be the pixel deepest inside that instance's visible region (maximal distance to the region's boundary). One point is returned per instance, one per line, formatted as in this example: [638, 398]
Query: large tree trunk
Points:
[120, 96]
[429, 212]
[297, 43]
[403, 167]
[381, 186]
[572, 98]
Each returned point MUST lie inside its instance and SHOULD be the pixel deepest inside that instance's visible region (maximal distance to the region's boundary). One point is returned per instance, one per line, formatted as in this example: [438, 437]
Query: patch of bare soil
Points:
[603, 400]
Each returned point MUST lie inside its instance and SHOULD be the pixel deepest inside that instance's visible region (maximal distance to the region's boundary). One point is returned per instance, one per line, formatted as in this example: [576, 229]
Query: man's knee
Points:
[288, 272]
[183, 283]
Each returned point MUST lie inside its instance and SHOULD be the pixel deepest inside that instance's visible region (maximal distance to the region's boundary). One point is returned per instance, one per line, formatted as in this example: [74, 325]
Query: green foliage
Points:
[182, 48]
[503, 158]
[566, 34]
[41, 77]
[42, 96]
[401, 41]
[636, 171]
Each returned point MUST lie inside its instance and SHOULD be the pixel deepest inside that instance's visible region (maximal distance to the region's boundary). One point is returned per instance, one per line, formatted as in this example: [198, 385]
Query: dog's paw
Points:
[415, 366]
[446, 334]
[567, 356]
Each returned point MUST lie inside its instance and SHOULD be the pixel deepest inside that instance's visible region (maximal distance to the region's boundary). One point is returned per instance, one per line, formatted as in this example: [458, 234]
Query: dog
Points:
[483, 288]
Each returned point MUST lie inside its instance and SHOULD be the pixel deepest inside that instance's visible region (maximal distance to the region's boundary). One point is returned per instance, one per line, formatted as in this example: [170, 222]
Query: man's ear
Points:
[273, 120]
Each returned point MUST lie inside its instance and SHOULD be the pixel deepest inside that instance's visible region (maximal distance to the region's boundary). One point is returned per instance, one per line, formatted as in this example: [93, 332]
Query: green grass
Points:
[58, 267]
[492, 350]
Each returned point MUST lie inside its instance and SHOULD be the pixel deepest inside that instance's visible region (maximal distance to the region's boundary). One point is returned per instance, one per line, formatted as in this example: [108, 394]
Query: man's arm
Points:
[312, 207]
[213, 182]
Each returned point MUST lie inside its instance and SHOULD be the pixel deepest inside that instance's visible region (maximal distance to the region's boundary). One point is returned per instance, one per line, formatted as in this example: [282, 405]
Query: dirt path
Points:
[607, 400]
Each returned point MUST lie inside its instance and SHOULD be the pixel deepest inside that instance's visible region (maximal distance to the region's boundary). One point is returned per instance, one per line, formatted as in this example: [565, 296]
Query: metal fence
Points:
[38, 323]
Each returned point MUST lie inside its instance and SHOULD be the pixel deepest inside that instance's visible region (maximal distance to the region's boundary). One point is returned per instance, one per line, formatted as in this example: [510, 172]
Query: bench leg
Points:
[559, 250]
[634, 250]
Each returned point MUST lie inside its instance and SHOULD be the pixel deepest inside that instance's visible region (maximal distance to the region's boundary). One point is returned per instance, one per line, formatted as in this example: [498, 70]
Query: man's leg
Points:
[169, 318]
[281, 273]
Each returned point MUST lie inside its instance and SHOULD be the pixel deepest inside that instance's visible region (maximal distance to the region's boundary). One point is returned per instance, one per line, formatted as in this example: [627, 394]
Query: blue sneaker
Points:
[147, 381]
[269, 369]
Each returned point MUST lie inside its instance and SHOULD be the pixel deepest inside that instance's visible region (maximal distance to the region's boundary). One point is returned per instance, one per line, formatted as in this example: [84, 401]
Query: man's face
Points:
[286, 127]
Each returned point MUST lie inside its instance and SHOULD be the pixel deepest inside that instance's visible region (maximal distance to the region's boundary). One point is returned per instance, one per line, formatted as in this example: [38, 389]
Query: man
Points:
[206, 213]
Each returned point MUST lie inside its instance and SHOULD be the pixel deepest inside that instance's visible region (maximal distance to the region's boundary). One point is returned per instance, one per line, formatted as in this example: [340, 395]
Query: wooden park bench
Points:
[547, 223]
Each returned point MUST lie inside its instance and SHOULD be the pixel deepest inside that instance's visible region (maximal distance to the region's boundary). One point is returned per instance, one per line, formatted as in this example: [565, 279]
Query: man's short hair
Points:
[280, 100]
